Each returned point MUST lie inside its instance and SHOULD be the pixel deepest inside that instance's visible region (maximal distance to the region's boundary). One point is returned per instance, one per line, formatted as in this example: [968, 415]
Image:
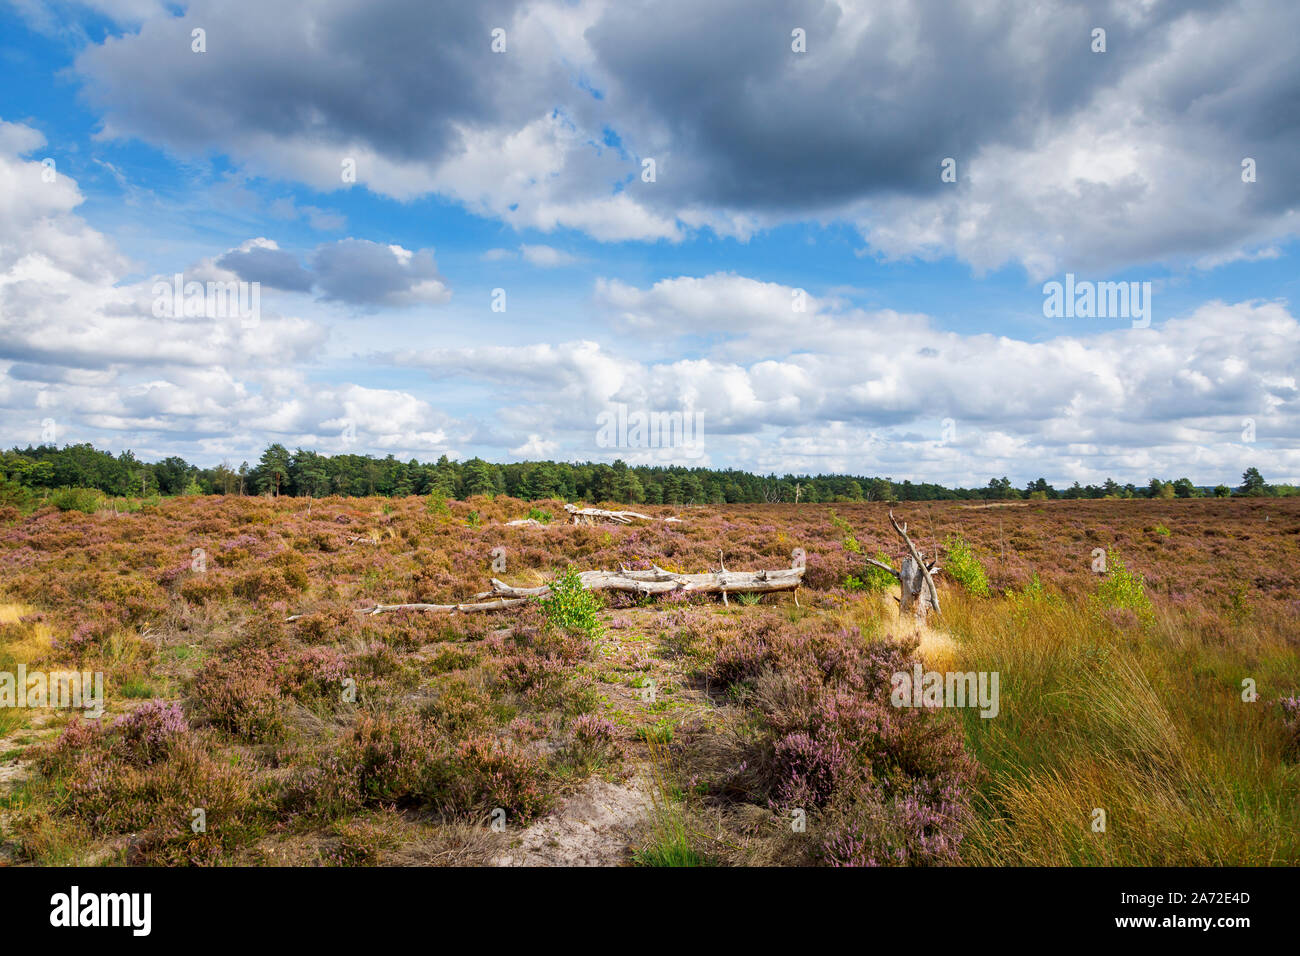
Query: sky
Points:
[826, 232]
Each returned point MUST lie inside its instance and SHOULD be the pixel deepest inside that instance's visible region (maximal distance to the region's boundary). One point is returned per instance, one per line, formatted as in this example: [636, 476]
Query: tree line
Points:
[303, 473]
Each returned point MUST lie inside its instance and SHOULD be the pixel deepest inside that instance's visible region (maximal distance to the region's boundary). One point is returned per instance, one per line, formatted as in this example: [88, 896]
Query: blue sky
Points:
[776, 171]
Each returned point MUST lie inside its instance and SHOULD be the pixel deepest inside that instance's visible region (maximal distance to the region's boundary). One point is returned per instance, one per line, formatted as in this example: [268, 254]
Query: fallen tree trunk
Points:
[659, 581]
[445, 608]
[589, 516]
[654, 581]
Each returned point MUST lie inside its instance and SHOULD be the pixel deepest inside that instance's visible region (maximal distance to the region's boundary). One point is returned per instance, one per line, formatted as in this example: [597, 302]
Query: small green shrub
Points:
[13, 495]
[850, 542]
[962, 565]
[572, 607]
[1122, 589]
[874, 580]
[85, 500]
[540, 514]
[1029, 599]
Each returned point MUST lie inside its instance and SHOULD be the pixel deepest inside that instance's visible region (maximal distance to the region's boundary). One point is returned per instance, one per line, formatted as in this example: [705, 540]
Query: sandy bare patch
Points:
[593, 827]
[937, 648]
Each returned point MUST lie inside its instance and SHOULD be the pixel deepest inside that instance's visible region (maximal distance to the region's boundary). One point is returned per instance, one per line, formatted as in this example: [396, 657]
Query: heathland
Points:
[1146, 652]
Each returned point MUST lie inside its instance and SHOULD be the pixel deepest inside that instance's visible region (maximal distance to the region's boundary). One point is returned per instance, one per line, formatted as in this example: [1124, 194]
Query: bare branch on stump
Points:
[915, 577]
[926, 571]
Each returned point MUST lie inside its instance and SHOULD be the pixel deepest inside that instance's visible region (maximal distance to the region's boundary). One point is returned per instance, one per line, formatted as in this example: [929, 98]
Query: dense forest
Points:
[305, 473]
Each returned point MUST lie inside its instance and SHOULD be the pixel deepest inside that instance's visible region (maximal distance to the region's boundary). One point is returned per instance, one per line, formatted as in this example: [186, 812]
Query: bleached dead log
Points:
[590, 516]
[445, 608]
[659, 581]
[524, 523]
[654, 581]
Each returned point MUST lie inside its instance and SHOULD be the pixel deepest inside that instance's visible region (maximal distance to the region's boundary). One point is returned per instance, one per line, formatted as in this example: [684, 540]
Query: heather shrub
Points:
[892, 785]
[314, 674]
[324, 789]
[919, 823]
[539, 660]
[462, 707]
[129, 599]
[363, 840]
[293, 568]
[393, 760]
[145, 734]
[824, 570]
[492, 773]
[329, 624]
[78, 737]
[240, 694]
[806, 767]
[737, 649]
[379, 662]
[592, 741]
[85, 637]
[145, 774]
[267, 584]
[247, 690]
[210, 586]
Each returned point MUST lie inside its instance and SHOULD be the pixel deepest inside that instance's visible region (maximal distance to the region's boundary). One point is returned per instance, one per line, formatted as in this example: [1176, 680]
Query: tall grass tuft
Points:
[1144, 722]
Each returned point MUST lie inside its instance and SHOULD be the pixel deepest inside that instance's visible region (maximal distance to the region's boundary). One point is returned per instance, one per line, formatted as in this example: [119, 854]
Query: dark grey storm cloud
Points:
[274, 268]
[395, 75]
[361, 272]
[740, 123]
[757, 126]
[355, 271]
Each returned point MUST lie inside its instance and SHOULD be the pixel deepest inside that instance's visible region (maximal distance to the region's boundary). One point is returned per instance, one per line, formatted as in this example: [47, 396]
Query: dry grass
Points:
[1145, 723]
